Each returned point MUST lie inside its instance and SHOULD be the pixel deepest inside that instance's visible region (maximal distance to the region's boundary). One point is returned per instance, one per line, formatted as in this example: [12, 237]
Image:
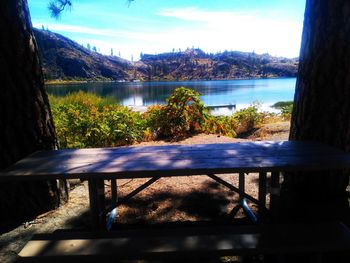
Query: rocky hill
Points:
[195, 64]
[65, 59]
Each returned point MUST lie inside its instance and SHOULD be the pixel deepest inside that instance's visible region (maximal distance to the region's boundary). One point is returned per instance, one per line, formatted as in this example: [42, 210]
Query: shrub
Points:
[155, 119]
[286, 108]
[85, 120]
[281, 104]
[221, 125]
[183, 114]
[248, 118]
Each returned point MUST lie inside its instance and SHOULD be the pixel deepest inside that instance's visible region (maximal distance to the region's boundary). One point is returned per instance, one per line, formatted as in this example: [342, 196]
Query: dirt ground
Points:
[185, 199]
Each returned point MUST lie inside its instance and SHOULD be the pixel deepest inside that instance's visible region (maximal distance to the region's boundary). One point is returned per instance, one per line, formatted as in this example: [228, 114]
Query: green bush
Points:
[222, 125]
[281, 104]
[85, 120]
[286, 108]
[183, 114]
[248, 118]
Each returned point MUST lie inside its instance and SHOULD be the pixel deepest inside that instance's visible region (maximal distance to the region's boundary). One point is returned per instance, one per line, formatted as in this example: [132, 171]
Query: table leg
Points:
[274, 192]
[241, 185]
[101, 203]
[262, 193]
[97, 203]
[114, 193]
[111, 216]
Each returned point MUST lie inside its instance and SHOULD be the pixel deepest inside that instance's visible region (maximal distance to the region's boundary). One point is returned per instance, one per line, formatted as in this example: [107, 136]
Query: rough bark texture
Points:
[321, 103]
[26, 123]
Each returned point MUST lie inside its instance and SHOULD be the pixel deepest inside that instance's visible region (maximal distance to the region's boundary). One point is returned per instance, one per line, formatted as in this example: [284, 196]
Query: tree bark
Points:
[26, 123]
[321, 104]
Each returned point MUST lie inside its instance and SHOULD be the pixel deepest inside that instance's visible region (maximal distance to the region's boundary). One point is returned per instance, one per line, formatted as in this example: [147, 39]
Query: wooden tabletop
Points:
[175, 160]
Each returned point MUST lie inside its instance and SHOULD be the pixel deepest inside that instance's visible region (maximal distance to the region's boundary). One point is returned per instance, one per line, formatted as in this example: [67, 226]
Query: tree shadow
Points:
[247, 134]
[211, 203]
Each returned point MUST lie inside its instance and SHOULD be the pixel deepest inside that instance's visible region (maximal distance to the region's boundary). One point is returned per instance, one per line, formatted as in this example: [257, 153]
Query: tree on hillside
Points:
[322, 102]
[26, 122]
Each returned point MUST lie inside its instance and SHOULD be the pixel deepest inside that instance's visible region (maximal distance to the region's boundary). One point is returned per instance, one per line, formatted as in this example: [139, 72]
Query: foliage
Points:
[57, 6]
[248, 118]
[286, 108]
[85, 120]
[183, 114]
[281, 104]
[155, 118]
[222, 125]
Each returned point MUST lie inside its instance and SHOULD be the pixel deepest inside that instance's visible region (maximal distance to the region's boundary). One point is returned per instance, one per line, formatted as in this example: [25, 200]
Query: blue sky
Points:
[156, 26]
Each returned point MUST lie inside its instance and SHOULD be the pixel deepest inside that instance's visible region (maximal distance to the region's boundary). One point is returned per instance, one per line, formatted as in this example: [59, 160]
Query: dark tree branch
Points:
[57, 6]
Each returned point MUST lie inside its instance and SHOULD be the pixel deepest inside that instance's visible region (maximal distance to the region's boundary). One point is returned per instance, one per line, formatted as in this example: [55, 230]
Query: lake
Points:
[214, 93]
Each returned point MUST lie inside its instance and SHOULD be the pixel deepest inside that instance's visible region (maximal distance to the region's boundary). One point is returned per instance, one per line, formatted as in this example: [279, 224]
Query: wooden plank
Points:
[149, 156]
[114, 198]
[93, 200]
[139, 163]
[97, 204]
[81, 157]
[274, 192]
[142, 169]
[241, 184]
[73, 163]
[191, 242]
[101, 204]
[266, 145]
[262, 194]
[84, 156]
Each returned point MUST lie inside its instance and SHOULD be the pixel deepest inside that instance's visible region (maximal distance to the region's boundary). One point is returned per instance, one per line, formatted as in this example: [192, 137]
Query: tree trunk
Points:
[26, 123]
[322, 104]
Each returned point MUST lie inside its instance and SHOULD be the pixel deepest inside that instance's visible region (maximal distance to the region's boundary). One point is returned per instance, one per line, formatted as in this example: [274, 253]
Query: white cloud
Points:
[195, 14]
[242, 31]
[210, 30]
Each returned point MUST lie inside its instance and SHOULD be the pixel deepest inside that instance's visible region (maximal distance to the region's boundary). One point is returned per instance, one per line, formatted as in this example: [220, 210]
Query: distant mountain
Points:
[195, 64]
[63, 58]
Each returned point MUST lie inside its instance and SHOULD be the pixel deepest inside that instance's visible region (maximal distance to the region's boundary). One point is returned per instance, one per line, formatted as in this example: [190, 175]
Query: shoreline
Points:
[69, 82]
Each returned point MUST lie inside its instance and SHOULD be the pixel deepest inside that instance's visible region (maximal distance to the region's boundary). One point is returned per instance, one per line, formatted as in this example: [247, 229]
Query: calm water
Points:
[214, 93]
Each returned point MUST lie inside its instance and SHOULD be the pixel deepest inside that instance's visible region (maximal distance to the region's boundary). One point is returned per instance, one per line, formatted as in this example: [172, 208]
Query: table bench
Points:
[97, 165]
[190, 243]
[154, 162]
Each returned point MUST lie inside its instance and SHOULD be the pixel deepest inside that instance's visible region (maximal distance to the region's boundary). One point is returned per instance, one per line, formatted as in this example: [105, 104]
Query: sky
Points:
[157, 26]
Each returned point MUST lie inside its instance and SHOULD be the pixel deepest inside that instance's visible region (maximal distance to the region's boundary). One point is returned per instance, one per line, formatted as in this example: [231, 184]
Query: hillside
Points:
[65, 59]
[195, 64]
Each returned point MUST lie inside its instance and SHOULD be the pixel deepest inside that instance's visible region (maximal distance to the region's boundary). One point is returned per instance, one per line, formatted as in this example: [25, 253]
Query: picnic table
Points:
[154, 162]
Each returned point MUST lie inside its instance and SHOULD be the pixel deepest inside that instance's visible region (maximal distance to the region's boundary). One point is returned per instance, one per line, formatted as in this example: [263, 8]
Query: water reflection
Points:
[223, 92]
